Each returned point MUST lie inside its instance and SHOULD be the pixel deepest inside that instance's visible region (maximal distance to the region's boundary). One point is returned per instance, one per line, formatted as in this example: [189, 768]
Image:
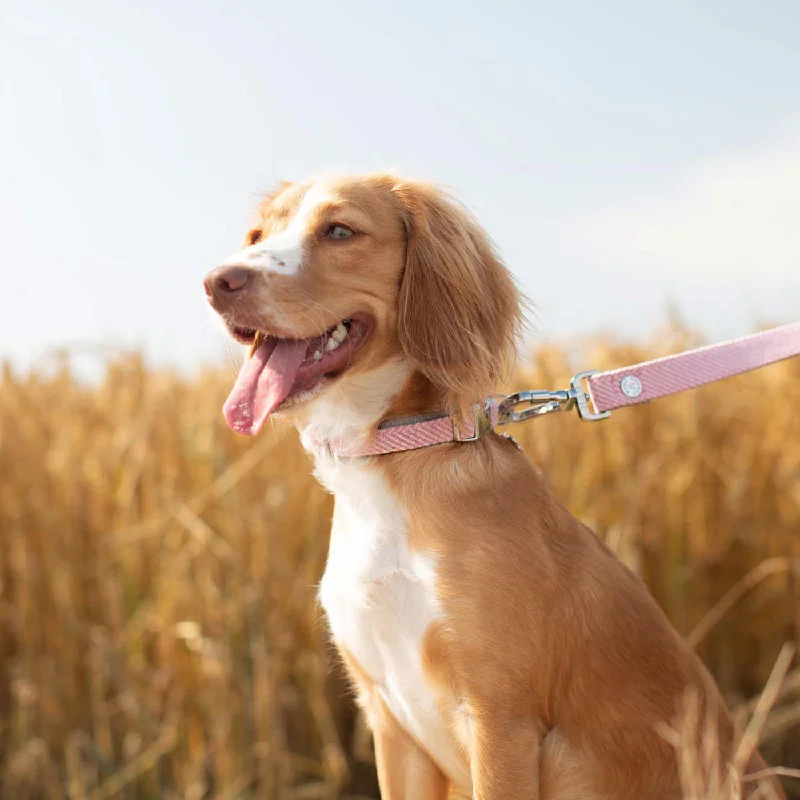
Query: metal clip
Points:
[540, 402]
[482, 423]
[537, 404]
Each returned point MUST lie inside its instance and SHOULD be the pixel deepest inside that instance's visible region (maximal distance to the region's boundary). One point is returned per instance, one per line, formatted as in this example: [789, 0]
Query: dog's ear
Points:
[459, 309]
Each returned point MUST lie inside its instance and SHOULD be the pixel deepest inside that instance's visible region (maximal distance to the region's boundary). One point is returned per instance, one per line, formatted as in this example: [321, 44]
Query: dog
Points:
[496, 645]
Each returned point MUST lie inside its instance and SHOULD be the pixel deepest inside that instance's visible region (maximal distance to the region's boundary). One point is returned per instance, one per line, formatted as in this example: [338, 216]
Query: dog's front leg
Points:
[505, 758]
[405, 770]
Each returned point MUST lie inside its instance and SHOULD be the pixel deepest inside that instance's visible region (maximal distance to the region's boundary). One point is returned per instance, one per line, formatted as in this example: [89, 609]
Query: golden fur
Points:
[553, 665]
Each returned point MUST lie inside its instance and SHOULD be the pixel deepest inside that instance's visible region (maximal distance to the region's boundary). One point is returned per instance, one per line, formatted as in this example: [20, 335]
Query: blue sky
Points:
[624, 155]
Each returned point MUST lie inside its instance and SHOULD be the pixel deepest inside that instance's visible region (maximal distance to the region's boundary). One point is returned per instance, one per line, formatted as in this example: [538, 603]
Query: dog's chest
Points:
[380, 599]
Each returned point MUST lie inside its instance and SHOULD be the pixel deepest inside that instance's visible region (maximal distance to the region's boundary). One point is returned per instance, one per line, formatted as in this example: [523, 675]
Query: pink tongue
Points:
[263, 384]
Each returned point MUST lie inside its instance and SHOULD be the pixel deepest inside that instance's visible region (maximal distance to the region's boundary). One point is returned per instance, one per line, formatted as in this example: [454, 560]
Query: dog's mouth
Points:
[282, 370]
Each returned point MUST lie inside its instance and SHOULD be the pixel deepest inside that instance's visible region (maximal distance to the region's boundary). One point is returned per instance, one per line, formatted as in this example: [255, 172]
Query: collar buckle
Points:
[482, 423]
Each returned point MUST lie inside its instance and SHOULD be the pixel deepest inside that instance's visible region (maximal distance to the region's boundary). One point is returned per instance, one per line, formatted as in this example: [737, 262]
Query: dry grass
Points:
[158, 630]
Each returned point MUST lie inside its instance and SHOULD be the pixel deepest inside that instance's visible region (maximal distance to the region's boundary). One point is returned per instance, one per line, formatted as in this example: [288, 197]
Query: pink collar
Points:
[413, 433]
[606, 390]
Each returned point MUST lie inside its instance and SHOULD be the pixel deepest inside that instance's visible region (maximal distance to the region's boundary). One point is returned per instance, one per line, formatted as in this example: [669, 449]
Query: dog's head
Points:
[340, 276]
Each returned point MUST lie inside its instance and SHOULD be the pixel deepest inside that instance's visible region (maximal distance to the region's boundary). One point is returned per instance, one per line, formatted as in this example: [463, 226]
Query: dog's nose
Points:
[226, 280]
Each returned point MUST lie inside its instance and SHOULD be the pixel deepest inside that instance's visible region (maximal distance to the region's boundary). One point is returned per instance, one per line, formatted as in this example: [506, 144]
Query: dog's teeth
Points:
[317, 355]
[340, 333]
[332, 344]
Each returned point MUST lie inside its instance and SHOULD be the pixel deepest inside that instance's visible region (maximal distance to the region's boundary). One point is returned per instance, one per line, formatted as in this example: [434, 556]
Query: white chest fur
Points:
[380, 600]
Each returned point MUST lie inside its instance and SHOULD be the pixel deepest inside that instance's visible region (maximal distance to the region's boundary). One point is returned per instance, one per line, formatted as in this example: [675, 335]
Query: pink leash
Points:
[606, 390]
[672, 374]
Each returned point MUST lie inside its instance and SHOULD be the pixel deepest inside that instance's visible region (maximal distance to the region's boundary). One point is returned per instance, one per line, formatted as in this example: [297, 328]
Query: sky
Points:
[626, 157]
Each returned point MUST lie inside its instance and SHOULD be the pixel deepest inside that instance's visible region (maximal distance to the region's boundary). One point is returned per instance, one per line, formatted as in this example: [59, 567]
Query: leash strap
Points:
[671, 374]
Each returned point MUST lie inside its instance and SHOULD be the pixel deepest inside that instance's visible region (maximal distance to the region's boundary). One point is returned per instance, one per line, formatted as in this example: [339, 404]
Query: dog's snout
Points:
[226, 280]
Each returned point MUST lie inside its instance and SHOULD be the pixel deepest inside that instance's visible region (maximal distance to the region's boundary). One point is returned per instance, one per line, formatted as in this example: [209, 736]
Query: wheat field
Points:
[159, 636]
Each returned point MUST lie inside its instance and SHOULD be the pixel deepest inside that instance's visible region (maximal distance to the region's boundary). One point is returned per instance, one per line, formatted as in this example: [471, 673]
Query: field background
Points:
[159, 636]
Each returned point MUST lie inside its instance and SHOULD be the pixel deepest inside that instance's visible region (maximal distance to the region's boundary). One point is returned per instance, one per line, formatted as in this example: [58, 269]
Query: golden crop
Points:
[159, 636]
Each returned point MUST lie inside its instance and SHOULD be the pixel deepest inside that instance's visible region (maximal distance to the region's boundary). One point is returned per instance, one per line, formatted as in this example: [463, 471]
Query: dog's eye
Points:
[254, 236]
[338, 232]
